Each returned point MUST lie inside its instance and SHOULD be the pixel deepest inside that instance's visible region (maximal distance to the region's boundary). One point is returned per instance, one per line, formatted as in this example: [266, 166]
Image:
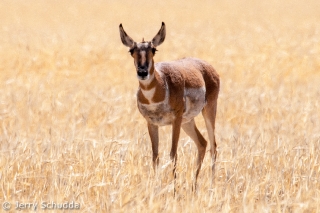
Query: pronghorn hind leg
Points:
[191, 129]
[154, 136]
[209, 114]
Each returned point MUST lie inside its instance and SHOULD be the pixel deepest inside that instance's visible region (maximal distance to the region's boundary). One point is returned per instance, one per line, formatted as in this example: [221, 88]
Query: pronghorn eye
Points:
[154, 51]
[131, 51]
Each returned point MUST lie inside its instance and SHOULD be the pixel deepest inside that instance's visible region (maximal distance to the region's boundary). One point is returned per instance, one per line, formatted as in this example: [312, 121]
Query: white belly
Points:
[161, 113]
[194, 101]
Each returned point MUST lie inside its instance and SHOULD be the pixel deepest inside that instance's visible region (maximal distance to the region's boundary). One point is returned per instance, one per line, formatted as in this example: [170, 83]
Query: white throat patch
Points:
[148, 94]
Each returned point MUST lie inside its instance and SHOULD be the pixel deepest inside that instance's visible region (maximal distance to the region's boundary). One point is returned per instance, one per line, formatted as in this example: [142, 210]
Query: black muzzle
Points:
[142, 73]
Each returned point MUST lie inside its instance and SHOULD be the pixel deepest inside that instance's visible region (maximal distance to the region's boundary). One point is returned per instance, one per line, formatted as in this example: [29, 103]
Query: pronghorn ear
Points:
[161, 35]
[126, 40]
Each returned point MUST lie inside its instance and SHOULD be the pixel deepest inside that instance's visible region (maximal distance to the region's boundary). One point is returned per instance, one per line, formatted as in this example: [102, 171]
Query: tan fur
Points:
[157, 83]
[180, 89]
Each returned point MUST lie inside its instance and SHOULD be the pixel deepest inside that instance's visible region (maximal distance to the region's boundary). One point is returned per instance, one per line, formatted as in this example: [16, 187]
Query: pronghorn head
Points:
[143, 52]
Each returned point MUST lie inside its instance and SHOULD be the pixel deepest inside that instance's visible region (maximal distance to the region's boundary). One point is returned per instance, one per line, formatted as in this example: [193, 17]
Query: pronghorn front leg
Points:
[154, 136]
[176, 126]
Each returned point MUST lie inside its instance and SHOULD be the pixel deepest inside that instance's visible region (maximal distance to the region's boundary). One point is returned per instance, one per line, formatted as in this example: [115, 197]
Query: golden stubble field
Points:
[70, 130]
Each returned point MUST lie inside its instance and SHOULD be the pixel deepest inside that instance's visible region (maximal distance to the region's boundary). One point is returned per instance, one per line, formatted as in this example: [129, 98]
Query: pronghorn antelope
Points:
[173, 93]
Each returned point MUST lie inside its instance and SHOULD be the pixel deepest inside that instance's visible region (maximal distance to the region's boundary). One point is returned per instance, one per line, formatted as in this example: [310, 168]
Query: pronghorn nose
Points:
[142, 72]
[142, 67]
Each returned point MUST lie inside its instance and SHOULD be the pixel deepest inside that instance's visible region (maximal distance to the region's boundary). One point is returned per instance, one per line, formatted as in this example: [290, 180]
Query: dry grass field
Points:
[70, 130]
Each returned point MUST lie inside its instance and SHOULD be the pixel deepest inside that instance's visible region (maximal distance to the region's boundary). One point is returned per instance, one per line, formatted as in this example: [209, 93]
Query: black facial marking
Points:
[145, 64]
[154, 50]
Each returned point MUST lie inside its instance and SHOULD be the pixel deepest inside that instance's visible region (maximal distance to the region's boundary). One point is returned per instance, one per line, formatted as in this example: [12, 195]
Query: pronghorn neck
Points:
[152, 90]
